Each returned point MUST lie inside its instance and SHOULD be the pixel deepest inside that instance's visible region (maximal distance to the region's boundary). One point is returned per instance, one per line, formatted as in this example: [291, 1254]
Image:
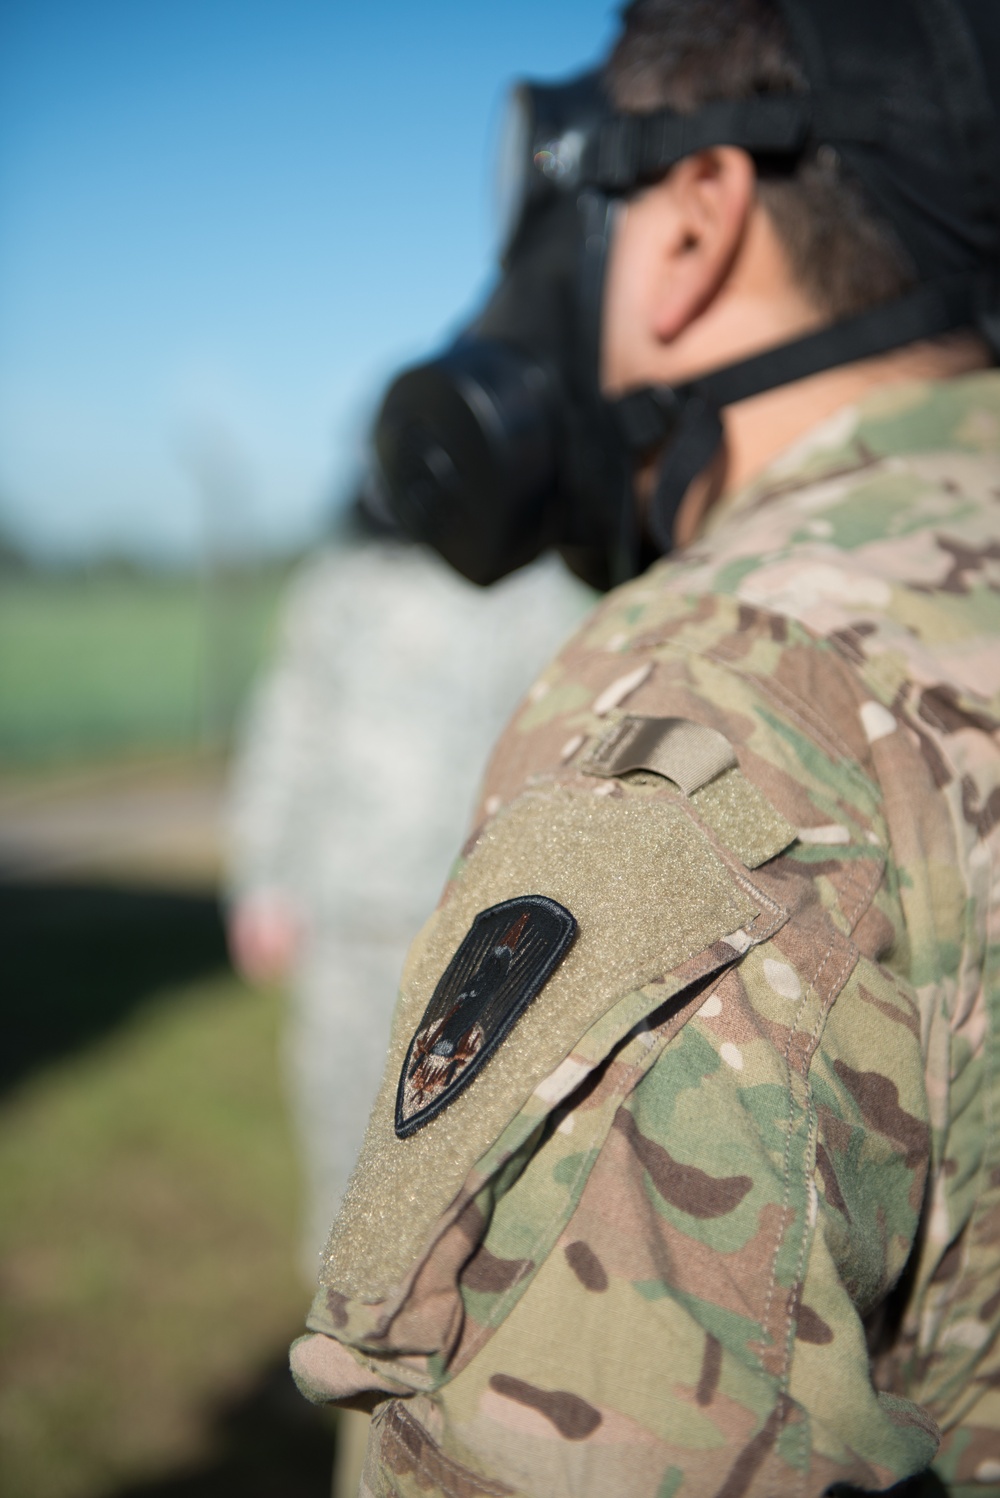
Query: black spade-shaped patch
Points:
[508, 956]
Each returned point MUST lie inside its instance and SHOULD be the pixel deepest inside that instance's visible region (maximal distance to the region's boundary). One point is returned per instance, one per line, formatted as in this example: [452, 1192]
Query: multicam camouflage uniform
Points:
[721, 1215]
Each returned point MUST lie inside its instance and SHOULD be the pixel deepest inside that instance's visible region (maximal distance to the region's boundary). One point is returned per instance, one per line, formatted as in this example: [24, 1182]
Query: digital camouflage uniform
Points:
[721, 1215]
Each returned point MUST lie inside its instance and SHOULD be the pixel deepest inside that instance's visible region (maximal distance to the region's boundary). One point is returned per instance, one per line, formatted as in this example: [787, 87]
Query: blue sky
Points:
[223, 223]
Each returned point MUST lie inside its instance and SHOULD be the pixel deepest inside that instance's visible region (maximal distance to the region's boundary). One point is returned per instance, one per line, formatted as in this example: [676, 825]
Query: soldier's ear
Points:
[699, 216]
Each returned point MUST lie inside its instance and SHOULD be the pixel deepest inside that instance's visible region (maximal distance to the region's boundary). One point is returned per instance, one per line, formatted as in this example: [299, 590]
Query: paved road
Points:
[157, 823]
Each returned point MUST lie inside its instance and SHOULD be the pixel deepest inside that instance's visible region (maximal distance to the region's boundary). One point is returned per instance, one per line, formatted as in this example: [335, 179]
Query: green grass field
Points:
[112, 662]
[148, 1220]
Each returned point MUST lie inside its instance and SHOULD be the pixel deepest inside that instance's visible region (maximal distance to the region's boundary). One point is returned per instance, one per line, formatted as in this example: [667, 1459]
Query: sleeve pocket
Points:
[660, 907]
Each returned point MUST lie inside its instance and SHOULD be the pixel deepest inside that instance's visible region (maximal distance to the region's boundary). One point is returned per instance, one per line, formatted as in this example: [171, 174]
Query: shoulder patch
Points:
[505, 959]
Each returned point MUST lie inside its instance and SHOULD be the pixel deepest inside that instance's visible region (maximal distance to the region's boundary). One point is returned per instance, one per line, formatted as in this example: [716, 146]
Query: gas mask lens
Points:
[513, 166]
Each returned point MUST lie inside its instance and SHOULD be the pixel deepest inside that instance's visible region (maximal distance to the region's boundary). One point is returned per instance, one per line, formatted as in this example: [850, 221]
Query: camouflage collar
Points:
[862, 435]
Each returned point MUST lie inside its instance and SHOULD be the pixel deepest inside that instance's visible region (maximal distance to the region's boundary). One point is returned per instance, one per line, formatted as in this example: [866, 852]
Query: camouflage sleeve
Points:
[639, 1253]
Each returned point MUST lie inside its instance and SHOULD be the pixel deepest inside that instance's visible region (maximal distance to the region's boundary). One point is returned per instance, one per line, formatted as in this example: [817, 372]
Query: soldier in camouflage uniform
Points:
[684, 1178]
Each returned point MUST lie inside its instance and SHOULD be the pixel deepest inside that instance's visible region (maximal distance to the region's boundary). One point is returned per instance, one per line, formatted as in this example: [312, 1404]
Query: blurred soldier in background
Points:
[684, 1176]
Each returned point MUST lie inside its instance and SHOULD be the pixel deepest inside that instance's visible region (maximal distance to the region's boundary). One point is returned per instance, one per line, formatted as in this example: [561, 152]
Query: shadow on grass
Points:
[269, 1444]
[77, 960]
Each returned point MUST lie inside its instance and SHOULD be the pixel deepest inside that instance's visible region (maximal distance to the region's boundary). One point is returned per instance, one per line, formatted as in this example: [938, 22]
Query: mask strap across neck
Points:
[688, 417]
[696, 441]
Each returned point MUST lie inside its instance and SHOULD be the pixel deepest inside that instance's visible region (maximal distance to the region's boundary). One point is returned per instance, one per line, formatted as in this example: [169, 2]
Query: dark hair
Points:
[682, 54]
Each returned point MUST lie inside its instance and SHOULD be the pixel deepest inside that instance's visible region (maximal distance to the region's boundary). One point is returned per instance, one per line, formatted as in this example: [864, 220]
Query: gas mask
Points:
[504, 446]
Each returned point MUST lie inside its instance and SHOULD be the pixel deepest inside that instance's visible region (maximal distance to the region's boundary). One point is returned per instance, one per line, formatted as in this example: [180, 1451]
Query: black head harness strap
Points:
[629, 150]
